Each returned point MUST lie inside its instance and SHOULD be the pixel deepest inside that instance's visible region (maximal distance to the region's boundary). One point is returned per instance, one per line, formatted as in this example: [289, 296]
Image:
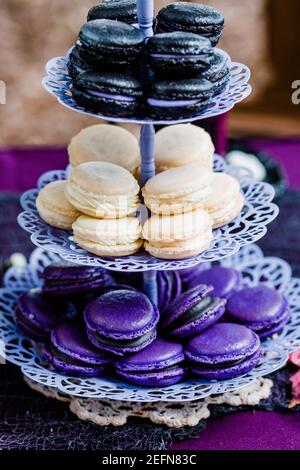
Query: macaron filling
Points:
[202, 310]
[229, 369]
[171, 104]
[111, 96]
[198, 55]
[123, 343]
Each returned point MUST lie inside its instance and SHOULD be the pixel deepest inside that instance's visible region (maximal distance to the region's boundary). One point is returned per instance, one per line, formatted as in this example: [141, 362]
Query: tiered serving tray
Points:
[231, 247]
[250, 261]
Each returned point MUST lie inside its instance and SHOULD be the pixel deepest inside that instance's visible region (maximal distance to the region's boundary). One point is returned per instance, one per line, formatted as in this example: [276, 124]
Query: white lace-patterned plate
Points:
[249, 227]
[20, 351]
[58, 83]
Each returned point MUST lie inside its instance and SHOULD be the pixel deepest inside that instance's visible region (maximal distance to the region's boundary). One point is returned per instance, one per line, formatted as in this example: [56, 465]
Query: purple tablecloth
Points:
[247, 430]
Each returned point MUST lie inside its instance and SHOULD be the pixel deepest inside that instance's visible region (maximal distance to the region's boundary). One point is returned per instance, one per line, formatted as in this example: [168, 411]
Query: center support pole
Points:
[147, 141]
[147, 148]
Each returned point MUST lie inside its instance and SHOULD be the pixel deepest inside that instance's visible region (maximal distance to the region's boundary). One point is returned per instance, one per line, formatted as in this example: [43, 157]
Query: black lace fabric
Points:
[30, 421]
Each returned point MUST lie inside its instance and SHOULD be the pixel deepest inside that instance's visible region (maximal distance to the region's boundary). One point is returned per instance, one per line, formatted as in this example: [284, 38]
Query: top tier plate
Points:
[58, 83]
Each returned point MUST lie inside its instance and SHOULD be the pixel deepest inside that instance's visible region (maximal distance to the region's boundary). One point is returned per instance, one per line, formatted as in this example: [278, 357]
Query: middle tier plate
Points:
[249, 227]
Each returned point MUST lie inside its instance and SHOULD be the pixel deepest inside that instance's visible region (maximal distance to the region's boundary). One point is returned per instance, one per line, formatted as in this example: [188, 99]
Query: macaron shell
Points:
[104, 178]
[71, 339]
[257, 306]
[180, 227]
[121, 10]
[164, 285]
[230, 372]
[102, 190]
[275, 328]
[139, 314]
[183, 303]
[224, 188]
[183, 250]
[68, 271]
[223, 342]
[225, 281]
[108, 250]
[109, 38]
[73, 369]
[42, 311]
[54, 208]
[229, 213]
[177, 182]
[158, 355]
[153, 379]
[105, 142]
[181, 145]
[32, 331]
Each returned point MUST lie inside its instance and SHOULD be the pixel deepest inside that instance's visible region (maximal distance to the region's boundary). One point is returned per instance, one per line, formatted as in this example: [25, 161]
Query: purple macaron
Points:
[169, 285]
[225, 281]
[37, 314]
[190, 274]
[158, 365]
[192, 312]
[70, 351]
[121, 321]
[224, 351]
[169, 288]
[65, 278]
[260, 308]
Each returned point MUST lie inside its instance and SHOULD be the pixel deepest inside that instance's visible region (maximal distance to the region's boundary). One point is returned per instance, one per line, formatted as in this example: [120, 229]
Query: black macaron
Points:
[110, 43]
[178, 99]
[121, 10]
[108, 93]
[179, 52]
[218, 73]
[192, 17]
[76, 63]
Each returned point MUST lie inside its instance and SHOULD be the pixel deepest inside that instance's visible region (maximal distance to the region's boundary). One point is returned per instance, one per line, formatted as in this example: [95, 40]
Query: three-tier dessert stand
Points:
[232, 245]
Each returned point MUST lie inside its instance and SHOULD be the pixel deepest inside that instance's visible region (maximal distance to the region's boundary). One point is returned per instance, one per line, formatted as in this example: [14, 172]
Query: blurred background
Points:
[261, 33]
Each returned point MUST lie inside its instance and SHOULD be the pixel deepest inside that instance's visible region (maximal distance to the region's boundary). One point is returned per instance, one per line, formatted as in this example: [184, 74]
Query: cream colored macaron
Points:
[178, 236]
[105, 143]
[104, 237]
[181, 145]
[178, 190]
[54, 208]
[102, 190]
[226, 200]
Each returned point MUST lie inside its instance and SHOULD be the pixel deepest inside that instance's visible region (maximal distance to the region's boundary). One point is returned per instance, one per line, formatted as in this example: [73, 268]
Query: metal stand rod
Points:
[150, 286]
[147, 148]
[147, 140]
[145, 10]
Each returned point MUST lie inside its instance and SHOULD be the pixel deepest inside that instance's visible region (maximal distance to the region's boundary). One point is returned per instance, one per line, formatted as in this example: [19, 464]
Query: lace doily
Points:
[249, 227]
[176, 415]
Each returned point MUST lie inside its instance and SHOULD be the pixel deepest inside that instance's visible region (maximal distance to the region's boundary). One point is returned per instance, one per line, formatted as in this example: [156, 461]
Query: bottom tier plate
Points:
[256, 268]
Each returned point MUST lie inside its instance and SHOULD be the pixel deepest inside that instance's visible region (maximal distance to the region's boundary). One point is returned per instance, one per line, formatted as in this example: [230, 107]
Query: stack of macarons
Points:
[102, 197]
[37, 313]
[98, 201]
[211, 330]
[103, 67]
[106, 65]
